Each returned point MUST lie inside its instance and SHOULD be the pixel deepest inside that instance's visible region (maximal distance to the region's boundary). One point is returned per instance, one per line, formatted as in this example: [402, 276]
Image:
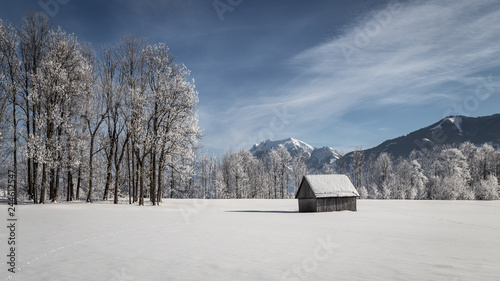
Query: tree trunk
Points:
[78, 182]
[117, 176]
[15, 146]
[160, 181]
[283, 184]
[44, 183]
[118, 163]
[56, 185]
[137, 176]
[108, 178]
[172, 183]
[152, 187]
[141, 176]
[52, 176]
[29, 160]
[130, 180]
[58, 165]
[91, 170]
[70, 191]
[275, 184]
[35, 163]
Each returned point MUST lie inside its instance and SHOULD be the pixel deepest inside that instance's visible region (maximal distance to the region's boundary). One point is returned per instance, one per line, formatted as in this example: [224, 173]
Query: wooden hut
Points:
[326, 193]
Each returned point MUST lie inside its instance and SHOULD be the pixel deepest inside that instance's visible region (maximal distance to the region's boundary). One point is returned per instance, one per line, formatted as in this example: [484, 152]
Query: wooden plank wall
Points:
[327, 204]
[307, 205]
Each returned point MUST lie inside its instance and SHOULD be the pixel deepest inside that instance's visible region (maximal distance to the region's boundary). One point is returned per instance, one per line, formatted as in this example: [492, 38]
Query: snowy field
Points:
[256, 240]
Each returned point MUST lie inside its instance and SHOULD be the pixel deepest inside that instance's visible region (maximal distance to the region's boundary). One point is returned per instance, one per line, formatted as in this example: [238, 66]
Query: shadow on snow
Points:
[263, 211]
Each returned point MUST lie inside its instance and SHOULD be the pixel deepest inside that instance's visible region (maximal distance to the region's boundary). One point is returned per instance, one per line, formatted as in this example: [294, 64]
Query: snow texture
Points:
[256, 240]
[331, 186]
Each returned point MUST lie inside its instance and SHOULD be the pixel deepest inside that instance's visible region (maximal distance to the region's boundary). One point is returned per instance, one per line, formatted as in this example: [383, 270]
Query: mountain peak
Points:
[317, 157]
[294, 146]
[455, 120]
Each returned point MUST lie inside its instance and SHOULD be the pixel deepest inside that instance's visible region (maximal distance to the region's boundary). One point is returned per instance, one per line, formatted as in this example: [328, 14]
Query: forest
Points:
[120, 124]
[83, 124]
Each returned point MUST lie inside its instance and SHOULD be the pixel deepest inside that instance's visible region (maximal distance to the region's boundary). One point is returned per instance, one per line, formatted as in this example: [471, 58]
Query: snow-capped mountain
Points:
[323, 155]
[317, 157]
[293, 146]
[455, 120]
[449, 130]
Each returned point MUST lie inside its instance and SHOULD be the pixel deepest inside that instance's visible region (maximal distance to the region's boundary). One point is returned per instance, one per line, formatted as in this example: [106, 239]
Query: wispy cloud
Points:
[420, 46]
[408, 54]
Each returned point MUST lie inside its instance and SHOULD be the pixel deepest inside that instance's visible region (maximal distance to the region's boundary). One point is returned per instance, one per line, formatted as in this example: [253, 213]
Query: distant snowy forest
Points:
[464, 172]
[121, 124]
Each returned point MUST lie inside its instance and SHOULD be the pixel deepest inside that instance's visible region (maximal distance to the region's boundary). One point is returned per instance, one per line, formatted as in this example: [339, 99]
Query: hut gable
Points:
[322, 186]
[305, 191]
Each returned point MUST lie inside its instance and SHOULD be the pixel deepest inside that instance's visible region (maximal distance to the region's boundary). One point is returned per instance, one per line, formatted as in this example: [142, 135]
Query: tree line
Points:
[445, 172]
[97, 125]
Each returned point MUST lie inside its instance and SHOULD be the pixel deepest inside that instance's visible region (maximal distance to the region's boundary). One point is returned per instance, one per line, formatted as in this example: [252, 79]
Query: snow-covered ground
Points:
[256, 240]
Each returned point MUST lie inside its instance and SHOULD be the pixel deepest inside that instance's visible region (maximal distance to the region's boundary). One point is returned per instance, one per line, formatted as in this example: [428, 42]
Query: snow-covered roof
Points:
[331, 186]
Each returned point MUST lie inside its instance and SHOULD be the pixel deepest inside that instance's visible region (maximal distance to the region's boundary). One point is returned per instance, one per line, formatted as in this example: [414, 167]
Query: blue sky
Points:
[335, 73]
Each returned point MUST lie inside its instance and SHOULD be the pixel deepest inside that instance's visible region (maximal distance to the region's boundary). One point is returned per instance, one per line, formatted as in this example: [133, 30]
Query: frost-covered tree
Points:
[173, 122]
[402, 181]
[453, 175]
[418, 181]
[239, 171]
[238, 175]
[94, 112]
[487, 189]
[410, 180]
[33, 37]
[487, 165]
[363, 193]
[299, 169]
[251, 169]
[281, 160]
[132, 79]
[384, 175]
[10, 84]
[112, 93]
[205, 173]
[373, 191]
[356, 168]
[369, 177]
[58, 88]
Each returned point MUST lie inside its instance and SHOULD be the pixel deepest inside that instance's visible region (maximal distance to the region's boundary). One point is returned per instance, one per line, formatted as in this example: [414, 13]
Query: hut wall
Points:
[336, 204]
[307, 205]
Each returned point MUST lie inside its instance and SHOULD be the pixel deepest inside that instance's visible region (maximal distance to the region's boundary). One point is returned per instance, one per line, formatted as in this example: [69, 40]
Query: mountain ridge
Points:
[447, 131]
